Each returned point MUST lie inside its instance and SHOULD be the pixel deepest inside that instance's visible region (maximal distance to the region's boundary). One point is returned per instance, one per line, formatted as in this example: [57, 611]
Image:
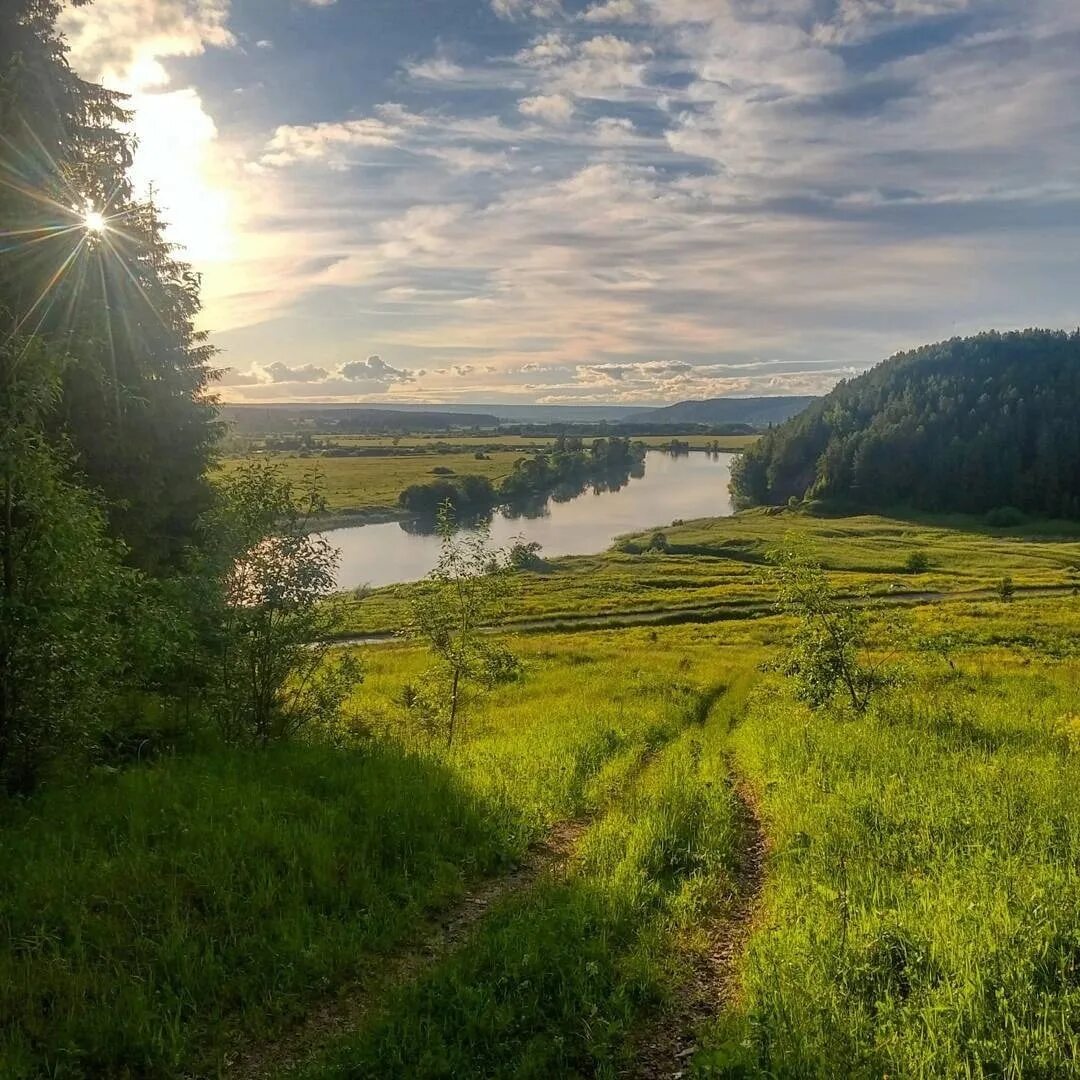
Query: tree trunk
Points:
[7, 562]
[453, 706]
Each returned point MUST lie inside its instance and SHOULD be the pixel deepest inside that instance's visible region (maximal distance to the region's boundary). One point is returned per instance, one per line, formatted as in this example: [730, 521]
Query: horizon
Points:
[580, 201]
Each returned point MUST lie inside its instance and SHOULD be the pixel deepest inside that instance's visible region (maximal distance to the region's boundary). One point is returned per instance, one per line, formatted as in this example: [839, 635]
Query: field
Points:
[369, 486]
[714, 569]
[576, 888]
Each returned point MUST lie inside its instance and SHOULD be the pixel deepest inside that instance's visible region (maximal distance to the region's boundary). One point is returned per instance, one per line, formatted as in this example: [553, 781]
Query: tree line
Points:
[971, 425]
[137, 602]
[564, 471]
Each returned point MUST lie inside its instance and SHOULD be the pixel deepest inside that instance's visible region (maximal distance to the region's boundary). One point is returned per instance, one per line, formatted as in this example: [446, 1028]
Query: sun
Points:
[94, 221]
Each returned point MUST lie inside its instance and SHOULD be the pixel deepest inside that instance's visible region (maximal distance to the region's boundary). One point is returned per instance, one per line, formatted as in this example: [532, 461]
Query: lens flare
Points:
[94, 221]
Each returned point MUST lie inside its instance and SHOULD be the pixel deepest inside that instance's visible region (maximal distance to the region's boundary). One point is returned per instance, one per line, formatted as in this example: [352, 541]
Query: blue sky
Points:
[601, 200]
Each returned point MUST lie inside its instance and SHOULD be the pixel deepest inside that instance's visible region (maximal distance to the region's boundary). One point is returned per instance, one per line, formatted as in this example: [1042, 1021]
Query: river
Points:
[688, 486]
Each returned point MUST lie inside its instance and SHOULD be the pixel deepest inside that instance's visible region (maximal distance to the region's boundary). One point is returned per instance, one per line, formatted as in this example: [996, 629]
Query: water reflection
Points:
[577, 520]
[531, 508]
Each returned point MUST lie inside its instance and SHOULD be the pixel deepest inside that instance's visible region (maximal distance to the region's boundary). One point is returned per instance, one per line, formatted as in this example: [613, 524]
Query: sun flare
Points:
[94, 221]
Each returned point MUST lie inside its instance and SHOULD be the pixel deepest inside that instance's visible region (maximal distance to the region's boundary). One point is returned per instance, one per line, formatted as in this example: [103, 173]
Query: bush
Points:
[1005, 517]
[918, 562]
[442, 470]
[659, 542]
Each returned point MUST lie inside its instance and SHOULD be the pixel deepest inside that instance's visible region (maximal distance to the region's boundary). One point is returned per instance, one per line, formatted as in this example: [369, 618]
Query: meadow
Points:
[714, 569]
[918, 915]
[367, 487]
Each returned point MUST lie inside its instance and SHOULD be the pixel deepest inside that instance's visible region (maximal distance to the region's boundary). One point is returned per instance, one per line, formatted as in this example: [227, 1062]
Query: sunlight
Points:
[94, 221]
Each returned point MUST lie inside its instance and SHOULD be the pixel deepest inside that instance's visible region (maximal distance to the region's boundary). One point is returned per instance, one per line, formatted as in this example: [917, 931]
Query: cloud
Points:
[437, 68]
[616, 11]
[527, 9]
[305, 373]
[326, 142]
[551, 108]
[638, 200]
[374, 369]
[122, 42]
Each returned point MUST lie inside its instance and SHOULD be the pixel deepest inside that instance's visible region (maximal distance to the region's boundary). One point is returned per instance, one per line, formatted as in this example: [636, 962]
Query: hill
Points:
[968, 425]
[248, 419]
[759, 412]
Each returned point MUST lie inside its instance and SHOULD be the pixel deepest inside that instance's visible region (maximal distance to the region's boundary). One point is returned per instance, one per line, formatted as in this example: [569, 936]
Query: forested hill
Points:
[758, 412]
[969, 425]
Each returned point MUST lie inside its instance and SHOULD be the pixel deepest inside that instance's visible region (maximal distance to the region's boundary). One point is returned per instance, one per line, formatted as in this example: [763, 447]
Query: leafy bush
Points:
[1005, 517]
[918, 562]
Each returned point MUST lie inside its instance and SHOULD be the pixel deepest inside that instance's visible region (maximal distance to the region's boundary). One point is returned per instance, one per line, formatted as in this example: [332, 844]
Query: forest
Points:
[973, 424]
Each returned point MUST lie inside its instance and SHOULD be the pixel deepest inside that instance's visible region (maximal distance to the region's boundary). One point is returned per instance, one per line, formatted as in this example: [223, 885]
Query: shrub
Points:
[1005, 517]
[918, 562]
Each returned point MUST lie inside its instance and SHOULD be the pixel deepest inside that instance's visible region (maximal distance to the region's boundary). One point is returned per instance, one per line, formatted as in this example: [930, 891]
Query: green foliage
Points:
[464, 593]
[827, 653]
[1005, 517]
[62, 584]
[918, 562]
[133, 401]
[966, 425]
[270, 581]
[1006, 589]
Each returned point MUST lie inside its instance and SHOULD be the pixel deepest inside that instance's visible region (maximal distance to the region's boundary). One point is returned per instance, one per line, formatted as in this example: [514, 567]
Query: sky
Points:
[636, 201]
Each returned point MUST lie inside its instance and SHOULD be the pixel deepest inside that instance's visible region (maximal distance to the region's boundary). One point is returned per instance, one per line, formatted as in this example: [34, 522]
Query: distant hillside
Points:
[249, 419]
[758, 411]
[968, 425]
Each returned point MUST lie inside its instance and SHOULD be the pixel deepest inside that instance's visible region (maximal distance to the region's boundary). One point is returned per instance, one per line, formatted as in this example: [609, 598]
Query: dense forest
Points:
[972, 424]
[139, 604]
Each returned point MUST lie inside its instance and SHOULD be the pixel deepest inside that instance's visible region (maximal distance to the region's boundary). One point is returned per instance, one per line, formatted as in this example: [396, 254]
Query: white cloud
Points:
[327, 142]
[551, 108]
[374, 369]
[305, 373]
[608, 11]
[527, 9]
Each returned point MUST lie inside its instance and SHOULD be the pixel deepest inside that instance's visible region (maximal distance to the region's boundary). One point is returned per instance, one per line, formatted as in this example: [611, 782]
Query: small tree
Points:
[827, 652]
[273, 582]
[466, 591]
[1006, 589]
[917, 562]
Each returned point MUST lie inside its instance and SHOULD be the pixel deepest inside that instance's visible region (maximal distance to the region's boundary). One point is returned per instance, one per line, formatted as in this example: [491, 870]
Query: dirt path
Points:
[438, 937]
[665, 1049]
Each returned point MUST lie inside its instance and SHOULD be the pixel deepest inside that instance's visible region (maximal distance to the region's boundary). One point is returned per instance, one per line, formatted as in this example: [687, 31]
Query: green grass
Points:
[556, 981]
[374, 483]
[159, 912]
[718, 563]
[922, 914]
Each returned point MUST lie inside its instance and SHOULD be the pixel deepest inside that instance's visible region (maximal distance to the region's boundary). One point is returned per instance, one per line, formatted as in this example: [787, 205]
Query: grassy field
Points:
[714, 568]
[371, 485]
[374, 483]
[162, 911]
[921, 907]
[922, 916]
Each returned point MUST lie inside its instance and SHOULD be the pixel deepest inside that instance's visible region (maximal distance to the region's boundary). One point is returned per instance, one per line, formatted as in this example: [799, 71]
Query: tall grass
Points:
[153, 917]
[556, 981]
[923, 906]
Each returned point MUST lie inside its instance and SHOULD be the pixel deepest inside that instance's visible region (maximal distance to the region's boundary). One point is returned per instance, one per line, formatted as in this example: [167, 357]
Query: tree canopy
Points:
[965, 425]
[86, 270]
